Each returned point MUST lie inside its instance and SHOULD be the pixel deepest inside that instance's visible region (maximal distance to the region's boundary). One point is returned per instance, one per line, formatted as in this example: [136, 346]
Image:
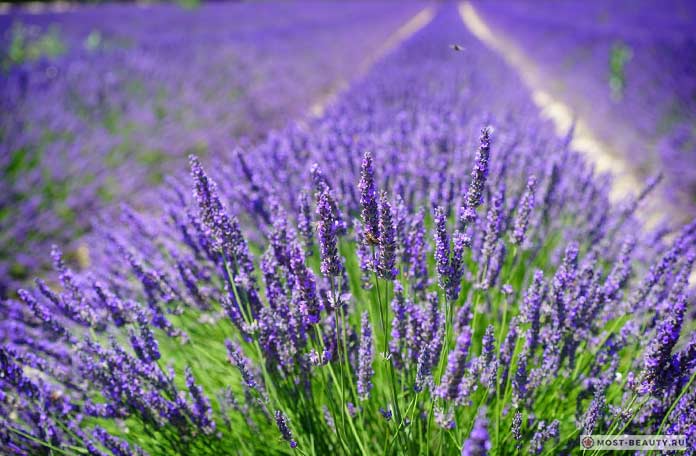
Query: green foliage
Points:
[28, 43]
[620, 55]
[189, 4]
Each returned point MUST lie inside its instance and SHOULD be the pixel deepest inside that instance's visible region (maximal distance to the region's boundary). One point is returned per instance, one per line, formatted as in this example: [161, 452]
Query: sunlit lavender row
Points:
[424, 268]
[628, 68]
[101, 103]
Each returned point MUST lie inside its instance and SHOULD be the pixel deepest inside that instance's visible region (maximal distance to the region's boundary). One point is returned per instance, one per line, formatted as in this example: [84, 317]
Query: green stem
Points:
[338, 328]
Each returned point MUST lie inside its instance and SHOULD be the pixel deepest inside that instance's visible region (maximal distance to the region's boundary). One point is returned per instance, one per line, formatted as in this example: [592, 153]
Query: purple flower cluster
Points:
[215, 326]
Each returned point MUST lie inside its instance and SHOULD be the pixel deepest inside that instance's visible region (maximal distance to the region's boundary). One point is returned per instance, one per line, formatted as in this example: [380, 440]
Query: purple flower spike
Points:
[117, 446]
[489, 360]
[305, 288]
[386, 260]
[442, 247]
[524, 209]
[456, 366]
[479, 442]
[658, 352]
[365, 371]
[531, 310]
[237, 358]
[386, 413]
[368, 201]
[326, 232]
[494, 222]
[517, 426]
[282, 423]
[202, 412]
[474, 196]
[304, 221]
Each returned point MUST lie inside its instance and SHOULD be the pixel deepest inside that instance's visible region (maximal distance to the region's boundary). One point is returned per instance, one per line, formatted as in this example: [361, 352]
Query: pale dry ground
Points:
[408, 29]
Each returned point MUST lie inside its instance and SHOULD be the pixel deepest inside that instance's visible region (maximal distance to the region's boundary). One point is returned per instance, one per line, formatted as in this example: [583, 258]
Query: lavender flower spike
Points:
[202, 412]
[117, 446]
[442, 247]
[525, 208]
[479, 442]
[365, 371]
[479, 174]
[305, 288]
[658, 353]
[460, 242]
[387, 240]
[304, 221]
[456, 365]
[489, 360]
[327, 229]
[282, 423]
[368, 200]
[517, 426]
[236, 357]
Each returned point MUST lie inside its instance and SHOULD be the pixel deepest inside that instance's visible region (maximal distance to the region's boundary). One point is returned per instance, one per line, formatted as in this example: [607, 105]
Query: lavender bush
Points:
[425, 269]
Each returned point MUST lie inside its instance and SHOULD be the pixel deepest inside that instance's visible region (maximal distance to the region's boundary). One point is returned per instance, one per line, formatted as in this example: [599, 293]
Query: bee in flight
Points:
[457, 47]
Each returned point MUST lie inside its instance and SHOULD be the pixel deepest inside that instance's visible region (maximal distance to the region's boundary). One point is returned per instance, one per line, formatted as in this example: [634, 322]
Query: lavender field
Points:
[345, 228]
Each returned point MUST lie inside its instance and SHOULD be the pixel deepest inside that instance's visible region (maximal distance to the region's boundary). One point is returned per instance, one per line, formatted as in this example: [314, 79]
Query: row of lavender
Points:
[628, 67]
[127, 95]
[387, 279]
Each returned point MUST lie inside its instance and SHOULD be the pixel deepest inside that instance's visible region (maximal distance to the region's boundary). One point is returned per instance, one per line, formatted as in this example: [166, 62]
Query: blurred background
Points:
[101, 103]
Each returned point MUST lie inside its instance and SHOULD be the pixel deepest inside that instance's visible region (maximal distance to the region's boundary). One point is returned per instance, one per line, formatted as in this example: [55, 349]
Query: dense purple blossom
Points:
[305, 287]
[327, 228]
[365, 370]
[442, 247]
[237, 358]
[543, 434]
[524, 209]
[282, 423]
[416, 252]
[517, 426]
[479, 442]
[488, 360]
[304, 221]
[202, 320]
[659, 350]
[386, 259]
[116, 446]
[474, 195]
[456, 366]
[368, 201]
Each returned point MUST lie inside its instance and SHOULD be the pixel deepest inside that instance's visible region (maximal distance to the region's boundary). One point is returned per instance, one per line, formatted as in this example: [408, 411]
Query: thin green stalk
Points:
[392, 379]
[338, 328]
[319, 338]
